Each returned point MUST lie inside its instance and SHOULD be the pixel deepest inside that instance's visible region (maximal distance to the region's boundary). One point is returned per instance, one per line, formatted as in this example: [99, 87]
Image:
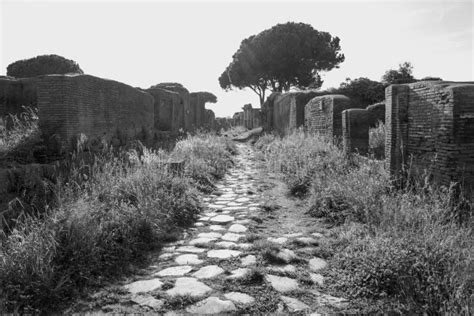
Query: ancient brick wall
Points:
[198, 106]
[15, 93]
[97, 108]
[256, 118]
[297, 107]
[376, 113]
[323, 115]
[355, 131]
[238, 119]
[281, 113]
[165, 104]
[210, 120]
[430, 126]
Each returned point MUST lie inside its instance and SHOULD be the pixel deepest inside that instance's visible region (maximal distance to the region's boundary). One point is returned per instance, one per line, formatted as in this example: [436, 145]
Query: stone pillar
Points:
[355, 131]
[396, 124]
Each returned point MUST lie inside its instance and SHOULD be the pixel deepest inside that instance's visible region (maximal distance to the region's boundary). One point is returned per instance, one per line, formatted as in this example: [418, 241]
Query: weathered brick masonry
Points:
[166, 107]
[15, 93]
[355, 131]
[323, 115]
[97, 108]
[251, 117]
[430, 125]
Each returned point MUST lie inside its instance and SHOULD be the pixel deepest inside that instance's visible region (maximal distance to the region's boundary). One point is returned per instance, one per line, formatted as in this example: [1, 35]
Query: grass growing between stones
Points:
[124, 209]
[408, 250]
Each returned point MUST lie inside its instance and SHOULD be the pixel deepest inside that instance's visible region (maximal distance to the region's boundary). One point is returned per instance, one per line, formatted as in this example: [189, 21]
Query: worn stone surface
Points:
[223, 253]
[202, 241]
[286, 255]
[293, 304]
[147, 300]
[240, 298]
[189, 286]
[188, 259]
[317, 264]
[281, 284]
[223, 219]
[278, 240]
[237, 228]
[210, 306]
[238, 273]
[209, 235]
[144, 286]
[317, 278]
[208, 272]
[174, 271]
[232, 237]
[248, 260]
[286, 268]
[190, 249]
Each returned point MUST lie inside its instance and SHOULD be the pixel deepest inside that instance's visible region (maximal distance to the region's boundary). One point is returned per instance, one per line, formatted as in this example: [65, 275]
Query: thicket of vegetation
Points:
[409, 247]
[117, 208]
[43, 65]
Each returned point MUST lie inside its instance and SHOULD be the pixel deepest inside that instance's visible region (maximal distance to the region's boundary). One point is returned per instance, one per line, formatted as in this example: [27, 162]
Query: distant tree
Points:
[402, 75]
[43, 65]
[284, 56]
[364, 90]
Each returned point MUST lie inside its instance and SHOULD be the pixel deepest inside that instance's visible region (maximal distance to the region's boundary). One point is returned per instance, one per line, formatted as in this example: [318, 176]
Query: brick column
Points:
[355, 131]
[396, 126]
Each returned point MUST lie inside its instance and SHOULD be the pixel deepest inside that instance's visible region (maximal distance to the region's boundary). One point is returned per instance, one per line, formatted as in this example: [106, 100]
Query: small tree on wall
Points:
[284, 56]
[43, 65]
[402, 75]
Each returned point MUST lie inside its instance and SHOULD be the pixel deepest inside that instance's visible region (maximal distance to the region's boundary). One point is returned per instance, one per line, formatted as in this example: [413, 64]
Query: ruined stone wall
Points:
[15, 93]
[165, 103]
[430, 125]
[297, 107]
[210, 120]
[281, 113]
[97, 108]
[238, 119]
[355, 131]
[376, 113]
[323, 115]
[256, 118]
[198, 106]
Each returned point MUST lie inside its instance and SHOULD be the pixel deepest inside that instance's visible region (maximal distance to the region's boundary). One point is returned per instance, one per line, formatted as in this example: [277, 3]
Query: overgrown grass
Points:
[413, 246]
[377, 141]
[124, 207]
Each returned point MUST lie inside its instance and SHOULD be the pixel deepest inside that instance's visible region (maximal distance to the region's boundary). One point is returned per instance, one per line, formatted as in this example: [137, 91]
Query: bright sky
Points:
[148, 42]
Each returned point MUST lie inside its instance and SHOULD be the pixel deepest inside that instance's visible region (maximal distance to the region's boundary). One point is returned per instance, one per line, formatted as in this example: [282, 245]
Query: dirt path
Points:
[252, 251]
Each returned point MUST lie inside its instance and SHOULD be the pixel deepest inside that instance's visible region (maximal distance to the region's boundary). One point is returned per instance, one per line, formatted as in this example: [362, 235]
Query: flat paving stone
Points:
[278, 240]
[240, 298]
[286, 255]
[165, 256]
[211, 305]
[208, 272]
[174, 271]
[232, 237]
[147, 300]
[234, 208]
[204, 218]
[307, 241]
[222, 219]
[223, 253]
[318, 235]
[202, 241]
[317, 264]
[199, 224]
[189, 286]
[188, 259]
[191, 249]
[282, 284]
[209, 235]
[244, 245]
[317, 278]
[216, 227]
[144, 286]
[248, 260]
[242, 221]
[237, 228]
[242, 199]
[238, 273]
[286, 268]
[234, 204]
[225, 244]
[293, 235]
[293, 304]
